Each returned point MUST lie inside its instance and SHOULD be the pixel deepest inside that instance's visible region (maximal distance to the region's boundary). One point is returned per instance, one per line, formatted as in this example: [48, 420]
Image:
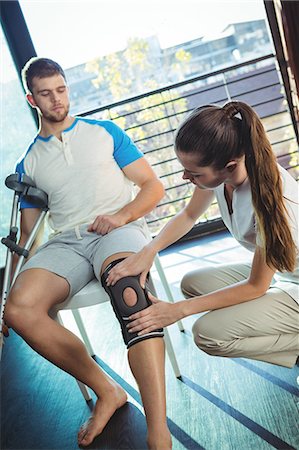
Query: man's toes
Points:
[82, 431]
[85, 439]
[81, 434]
[85, 435]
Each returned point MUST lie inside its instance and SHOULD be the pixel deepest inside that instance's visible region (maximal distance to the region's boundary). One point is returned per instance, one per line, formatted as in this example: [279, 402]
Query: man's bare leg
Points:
[27, 313]
[147, 362]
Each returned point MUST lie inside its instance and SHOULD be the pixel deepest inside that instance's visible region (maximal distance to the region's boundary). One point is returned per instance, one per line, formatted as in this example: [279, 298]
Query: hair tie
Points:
[231, 109]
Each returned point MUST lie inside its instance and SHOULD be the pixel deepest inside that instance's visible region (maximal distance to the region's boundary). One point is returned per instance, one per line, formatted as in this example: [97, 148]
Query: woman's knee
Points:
[208, 336]
[201, 333]
[188, 286]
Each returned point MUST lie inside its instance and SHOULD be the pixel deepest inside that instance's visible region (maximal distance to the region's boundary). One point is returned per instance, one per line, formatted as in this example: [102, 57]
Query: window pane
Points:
[17, 129]
[113, 50]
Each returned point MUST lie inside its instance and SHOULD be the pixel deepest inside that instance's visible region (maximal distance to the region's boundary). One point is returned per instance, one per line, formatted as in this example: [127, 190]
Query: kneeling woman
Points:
[253, 309]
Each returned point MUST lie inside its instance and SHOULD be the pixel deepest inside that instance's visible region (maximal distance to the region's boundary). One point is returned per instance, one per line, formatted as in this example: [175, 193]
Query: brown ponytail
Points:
[218, 135]
[266, 190]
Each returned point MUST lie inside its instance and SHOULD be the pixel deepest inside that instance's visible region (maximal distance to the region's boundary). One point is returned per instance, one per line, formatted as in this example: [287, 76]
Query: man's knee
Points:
[19, 309]
[208, 336]
[128, 297]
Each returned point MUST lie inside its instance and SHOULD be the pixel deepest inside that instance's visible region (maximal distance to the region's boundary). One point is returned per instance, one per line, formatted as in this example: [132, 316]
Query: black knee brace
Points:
[122, 310]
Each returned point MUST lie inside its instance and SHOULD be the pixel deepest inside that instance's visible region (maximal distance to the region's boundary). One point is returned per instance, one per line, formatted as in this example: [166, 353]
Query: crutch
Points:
[24, 188]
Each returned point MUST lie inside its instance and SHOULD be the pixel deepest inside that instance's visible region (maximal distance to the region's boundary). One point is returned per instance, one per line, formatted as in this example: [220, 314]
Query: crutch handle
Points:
[13, 247]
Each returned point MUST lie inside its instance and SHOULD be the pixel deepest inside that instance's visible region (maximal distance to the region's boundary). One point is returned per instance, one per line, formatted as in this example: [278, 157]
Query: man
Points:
[88, 169]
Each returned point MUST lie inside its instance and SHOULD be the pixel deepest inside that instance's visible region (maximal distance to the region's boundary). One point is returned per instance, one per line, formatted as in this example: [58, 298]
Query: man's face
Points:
[50, 95]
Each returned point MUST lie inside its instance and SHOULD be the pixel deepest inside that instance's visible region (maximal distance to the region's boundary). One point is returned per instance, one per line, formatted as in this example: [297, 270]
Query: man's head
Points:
[39, 68]
[46, 89]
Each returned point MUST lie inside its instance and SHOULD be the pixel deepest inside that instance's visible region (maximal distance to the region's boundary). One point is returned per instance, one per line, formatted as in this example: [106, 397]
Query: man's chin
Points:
[56, 118]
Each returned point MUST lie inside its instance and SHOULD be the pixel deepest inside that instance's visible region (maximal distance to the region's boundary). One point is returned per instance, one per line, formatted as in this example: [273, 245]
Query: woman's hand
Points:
[160, 314]
[139, 263]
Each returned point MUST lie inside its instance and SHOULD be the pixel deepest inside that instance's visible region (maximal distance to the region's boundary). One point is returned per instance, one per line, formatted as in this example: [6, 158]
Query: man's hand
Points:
[106, 223]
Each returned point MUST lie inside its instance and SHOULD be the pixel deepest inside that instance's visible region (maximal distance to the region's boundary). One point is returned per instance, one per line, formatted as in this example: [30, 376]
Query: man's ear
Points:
[231, 166]
[31, 100]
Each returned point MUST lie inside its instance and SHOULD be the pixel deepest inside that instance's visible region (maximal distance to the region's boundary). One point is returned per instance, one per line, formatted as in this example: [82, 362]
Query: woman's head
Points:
[211, 134]
[217, 138]
[210, 146]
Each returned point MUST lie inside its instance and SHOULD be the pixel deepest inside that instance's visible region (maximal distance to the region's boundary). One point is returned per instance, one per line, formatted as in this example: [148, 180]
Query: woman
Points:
[225, 153]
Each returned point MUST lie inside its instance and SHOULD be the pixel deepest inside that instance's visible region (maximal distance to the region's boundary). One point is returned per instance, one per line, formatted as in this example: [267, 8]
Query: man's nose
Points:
[54, 97]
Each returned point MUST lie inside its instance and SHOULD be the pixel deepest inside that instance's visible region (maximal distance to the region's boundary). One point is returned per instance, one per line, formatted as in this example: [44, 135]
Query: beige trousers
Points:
[266, 328]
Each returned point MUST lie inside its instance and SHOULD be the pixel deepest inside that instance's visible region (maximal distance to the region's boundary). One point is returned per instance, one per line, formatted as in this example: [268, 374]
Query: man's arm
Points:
[151, 191]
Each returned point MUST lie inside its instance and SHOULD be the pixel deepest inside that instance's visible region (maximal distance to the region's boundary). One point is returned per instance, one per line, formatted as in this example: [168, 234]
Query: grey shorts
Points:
[78, 255]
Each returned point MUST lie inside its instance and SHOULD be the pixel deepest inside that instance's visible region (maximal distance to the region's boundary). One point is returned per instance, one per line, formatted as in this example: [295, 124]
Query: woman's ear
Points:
[231, 166]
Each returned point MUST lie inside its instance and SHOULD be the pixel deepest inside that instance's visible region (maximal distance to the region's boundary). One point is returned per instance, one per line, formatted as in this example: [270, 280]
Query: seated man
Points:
[87, 168]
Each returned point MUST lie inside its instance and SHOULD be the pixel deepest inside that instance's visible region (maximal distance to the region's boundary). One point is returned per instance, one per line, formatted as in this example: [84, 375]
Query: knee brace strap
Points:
[122, 310]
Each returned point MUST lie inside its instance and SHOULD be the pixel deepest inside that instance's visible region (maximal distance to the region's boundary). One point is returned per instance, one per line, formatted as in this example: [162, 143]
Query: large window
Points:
[118, 49]
[16, 130]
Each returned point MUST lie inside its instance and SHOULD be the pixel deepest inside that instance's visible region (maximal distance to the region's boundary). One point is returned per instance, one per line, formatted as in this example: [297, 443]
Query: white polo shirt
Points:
[81, 173]
[242, 223]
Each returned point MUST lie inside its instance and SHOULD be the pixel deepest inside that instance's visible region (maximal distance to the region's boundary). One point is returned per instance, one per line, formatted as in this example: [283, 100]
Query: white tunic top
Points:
[242, 223]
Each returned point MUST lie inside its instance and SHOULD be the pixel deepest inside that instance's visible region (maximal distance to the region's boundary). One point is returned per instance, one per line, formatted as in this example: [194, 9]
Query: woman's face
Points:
[202, 177]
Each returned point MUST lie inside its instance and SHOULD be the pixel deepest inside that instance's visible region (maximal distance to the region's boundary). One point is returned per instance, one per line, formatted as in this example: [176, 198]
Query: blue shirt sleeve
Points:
[21, 170]
[125, 151]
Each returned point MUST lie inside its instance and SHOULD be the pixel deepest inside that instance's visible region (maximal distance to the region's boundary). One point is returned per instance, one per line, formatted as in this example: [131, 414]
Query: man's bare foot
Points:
[104, 409]
[160, 440]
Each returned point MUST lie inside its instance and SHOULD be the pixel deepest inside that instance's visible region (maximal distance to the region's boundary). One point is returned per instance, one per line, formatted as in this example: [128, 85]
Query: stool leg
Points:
[166, 287]
[83, 388]
[81, 327]
[85, 391]
[171, 354]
